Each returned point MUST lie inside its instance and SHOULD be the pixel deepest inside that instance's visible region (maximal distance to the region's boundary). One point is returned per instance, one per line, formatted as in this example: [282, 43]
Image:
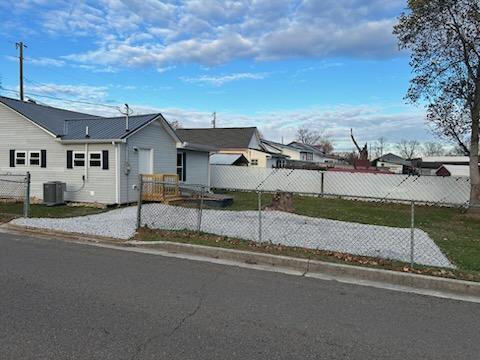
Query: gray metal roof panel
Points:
[221, 138]
[47, 117]
[105, 128]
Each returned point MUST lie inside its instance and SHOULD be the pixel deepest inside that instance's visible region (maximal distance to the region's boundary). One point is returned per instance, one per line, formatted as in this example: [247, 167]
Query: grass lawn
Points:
[9, 211]
[457, 234]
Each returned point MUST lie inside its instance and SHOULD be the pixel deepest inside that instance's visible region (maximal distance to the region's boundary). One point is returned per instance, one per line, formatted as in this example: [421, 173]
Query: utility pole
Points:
[214, 120]
[20, 45]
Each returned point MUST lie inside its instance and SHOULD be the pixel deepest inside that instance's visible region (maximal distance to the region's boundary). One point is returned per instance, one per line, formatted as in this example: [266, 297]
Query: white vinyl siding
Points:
[198, 167]
[20, 134]
[164, 148]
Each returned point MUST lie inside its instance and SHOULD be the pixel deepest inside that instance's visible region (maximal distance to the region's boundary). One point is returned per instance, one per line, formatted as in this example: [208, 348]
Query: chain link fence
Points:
[444, 191]
[14, 195]
[334, 224]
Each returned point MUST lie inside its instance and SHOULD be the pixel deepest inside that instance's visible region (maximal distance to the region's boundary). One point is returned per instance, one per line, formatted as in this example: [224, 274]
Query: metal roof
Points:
[105, 128]
[71, 125]
[305, 147]
[220, 138]
[47, 117]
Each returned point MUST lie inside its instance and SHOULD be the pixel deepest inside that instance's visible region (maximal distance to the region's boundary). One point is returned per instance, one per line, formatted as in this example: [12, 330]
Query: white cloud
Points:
[43, 61]
[72, 92]
[222, 79]
[40, 61]
[212, 32]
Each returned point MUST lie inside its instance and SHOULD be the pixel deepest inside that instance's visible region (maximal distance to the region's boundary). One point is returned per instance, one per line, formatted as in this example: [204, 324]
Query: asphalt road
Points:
[61, 300]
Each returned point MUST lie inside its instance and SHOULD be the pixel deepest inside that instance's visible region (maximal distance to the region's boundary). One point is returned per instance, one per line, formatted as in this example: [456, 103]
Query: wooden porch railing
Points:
[160, 187]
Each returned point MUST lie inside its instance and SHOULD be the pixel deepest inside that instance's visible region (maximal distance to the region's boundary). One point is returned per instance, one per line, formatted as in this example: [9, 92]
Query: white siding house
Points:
[98, 158]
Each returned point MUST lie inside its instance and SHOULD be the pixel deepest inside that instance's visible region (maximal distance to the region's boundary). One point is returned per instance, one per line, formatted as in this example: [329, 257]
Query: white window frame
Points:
[99, 159]
[25, 158]
[84, 159]
[254, 162]
[181, 167]
[39, 158]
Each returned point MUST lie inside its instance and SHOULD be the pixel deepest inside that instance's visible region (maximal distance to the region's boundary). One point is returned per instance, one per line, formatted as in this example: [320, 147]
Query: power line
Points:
[61, 99]
[56, 90]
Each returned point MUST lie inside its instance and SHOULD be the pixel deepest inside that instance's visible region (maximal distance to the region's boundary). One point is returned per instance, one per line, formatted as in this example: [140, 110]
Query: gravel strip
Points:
[277, 227]
[119, 223]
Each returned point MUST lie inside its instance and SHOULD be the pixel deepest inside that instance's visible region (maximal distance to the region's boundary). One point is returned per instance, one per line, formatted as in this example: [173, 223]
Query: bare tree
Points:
[433, 149]
[380, 147]
[308, 136]
[408, 149]
[176, 124]
[443, 39]
[325, 145]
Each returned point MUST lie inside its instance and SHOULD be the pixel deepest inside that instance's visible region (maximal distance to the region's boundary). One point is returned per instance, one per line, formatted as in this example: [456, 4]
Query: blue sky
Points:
[276, 64]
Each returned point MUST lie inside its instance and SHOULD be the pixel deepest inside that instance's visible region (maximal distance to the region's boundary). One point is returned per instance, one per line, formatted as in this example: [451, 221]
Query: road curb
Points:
[312, 267]
[60, 234]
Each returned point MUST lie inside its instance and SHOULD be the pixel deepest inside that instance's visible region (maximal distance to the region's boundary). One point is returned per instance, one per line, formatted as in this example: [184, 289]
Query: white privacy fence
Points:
[425, 189]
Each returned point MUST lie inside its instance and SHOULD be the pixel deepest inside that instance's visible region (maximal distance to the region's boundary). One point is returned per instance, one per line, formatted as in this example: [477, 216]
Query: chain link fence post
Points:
[26, 200]
[200, 209]
[259, 216]
[139, 205]
[322, 189]
[412, 235]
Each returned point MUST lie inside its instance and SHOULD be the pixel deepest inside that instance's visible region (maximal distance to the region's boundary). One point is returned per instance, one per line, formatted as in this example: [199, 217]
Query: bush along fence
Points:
[377, 230]
[447, 191]
[15, 195]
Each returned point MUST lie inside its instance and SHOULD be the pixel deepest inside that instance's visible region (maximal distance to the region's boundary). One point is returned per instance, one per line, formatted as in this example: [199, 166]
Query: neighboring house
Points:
[393, 163]
[228, 159]
[453, 170]
[237, 140]
[312, 154]
[430, 164]
[99, 158]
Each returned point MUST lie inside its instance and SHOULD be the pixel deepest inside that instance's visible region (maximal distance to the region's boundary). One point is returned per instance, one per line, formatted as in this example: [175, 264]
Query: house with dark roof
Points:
[312, 154]
[244, 141]
[393, 163]
[99, 158]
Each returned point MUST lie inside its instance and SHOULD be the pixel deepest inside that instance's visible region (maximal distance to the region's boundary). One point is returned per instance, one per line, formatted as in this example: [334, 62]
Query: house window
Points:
[95, 159]
[306, 156]
[34, 158]
[181, 166]
[78, 159]
[20, 158]
[254, 162]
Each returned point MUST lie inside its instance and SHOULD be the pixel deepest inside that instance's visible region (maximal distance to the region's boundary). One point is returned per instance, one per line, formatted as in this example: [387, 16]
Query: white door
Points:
[145, 161]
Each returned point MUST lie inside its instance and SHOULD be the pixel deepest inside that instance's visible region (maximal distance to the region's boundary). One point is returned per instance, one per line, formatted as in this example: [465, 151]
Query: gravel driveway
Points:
[277, 227]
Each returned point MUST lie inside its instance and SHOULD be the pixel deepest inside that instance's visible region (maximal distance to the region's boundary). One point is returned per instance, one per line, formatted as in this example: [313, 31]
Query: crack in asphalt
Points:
[200, 298]
[307, 269]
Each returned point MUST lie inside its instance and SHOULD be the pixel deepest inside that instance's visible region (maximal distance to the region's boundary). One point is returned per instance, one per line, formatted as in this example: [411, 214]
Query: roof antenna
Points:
[214, 120]
[127, 112]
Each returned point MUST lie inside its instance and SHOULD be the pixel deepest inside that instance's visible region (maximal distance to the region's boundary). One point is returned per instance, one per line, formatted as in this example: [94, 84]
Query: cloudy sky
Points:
[276, 64]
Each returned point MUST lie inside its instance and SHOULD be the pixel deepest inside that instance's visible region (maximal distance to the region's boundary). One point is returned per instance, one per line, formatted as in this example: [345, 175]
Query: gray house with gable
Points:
[99, 158]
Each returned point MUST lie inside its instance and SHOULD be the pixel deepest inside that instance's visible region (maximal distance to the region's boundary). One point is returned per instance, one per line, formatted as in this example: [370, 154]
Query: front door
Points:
[145, 161]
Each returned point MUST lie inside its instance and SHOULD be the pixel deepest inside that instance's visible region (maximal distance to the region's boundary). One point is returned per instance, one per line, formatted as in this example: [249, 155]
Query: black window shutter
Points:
[105, 159]
[184, 166]
[12, 158]
[43, 158]
[69, 159]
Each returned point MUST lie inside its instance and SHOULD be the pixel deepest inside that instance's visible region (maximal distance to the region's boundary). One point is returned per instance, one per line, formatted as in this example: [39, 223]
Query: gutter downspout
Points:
[86, 162]
[117, 170]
